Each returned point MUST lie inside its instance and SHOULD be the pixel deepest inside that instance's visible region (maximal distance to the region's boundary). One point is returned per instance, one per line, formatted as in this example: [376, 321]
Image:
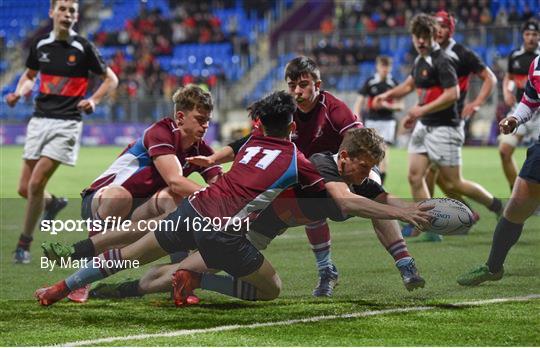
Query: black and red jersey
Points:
[432, 74]
[64, 68]
[466, 62]
[374, 86]
[519, 61]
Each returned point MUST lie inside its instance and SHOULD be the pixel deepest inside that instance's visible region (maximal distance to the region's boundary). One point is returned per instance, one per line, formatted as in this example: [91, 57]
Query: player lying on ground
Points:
[525, 197]
[349, 170]
[148, 179]
[265, 166]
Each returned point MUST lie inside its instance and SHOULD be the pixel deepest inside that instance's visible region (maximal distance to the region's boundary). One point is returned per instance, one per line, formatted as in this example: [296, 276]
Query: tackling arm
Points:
[170, 170]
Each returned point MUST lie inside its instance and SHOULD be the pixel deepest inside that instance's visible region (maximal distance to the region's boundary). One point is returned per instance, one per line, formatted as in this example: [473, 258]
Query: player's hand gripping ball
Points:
[449, 216]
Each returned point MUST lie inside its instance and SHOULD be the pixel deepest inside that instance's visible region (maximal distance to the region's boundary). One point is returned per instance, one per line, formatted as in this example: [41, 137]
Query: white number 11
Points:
[263, 163]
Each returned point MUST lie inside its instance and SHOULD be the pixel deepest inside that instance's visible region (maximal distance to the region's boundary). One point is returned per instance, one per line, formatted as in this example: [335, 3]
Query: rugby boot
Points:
[56, 251]
[80, 295]
[478, 275]
[328, 279]
[53, 207]
[21, 256]
[48, 296]
[184, 282]
[409, 274]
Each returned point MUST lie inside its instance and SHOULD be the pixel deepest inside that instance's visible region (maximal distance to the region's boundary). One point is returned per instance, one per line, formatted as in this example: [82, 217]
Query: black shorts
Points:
[531, 168]
[86, 205]
[173, 234]
[233, 254]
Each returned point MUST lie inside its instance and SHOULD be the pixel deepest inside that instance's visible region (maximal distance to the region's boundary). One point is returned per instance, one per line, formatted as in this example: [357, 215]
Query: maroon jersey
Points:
[262, 169]
[322, 128]
[134, 168]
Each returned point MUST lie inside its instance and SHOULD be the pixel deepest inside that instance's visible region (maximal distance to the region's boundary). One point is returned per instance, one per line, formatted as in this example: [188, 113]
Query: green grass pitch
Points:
[368, 282]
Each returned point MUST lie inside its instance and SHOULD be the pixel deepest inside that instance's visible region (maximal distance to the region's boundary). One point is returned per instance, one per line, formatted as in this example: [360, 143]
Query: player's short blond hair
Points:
[53, 3]
[360, 141]
[192, 97]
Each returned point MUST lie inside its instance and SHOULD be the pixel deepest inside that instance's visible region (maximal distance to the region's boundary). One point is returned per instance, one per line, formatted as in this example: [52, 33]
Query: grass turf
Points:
[368, 281]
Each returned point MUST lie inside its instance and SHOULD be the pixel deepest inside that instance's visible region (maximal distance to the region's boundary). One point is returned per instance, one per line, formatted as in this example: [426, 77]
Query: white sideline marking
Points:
[297, 321]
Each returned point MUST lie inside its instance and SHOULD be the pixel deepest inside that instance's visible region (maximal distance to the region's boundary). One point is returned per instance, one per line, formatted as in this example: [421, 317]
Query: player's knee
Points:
[166, 202]
[22, 190]
[271, 292]
[415, 178]
[35, 187]
[113, 201]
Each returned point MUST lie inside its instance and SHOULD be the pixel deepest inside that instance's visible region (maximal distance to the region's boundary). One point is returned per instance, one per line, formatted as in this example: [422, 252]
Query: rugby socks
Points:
[84, 249]
[318, 234]
[496, 206]
[178, 256]
[24, 242]
[399, 250]
[506, 235]
[93, 271]
[129, 288]
[230, 286]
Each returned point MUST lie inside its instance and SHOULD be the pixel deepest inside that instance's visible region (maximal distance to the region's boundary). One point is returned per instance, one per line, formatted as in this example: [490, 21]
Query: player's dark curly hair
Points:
[423, 25]
[302, 66]
[192, 97]
[275, 113]
[361, 141]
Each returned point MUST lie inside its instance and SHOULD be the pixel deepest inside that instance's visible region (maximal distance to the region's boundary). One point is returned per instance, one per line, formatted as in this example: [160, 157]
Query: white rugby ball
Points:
[449, 216]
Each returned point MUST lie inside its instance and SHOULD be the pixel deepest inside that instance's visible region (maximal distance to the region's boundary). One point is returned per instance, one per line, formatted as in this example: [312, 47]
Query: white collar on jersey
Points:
[377, 78]
[71, 40]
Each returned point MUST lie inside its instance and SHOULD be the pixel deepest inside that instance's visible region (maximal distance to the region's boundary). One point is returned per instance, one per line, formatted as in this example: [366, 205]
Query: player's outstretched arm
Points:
[24, 86]
[224, 155]
[110, 82]
[356, 205]
[399, 91]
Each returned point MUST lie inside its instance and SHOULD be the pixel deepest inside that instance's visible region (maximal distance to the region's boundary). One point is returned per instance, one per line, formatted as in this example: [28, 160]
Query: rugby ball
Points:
[449, 216]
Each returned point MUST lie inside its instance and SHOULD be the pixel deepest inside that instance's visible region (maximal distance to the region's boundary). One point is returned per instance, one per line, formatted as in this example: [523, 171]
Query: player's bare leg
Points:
[506, 152]
[455, 182]
[41, 171]
[418, 165]
[143, 251]
[523, 203]
[159, 205]
[389, 234]
[113, 200]
[261, 285]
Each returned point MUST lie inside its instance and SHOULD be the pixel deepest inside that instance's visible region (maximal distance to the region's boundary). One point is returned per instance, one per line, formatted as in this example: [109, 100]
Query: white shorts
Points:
[53, 138]
[528, 131]
[442, 144]
[385, 128]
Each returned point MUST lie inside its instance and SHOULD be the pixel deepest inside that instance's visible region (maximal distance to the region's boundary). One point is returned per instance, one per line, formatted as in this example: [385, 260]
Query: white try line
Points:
[298, 321]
